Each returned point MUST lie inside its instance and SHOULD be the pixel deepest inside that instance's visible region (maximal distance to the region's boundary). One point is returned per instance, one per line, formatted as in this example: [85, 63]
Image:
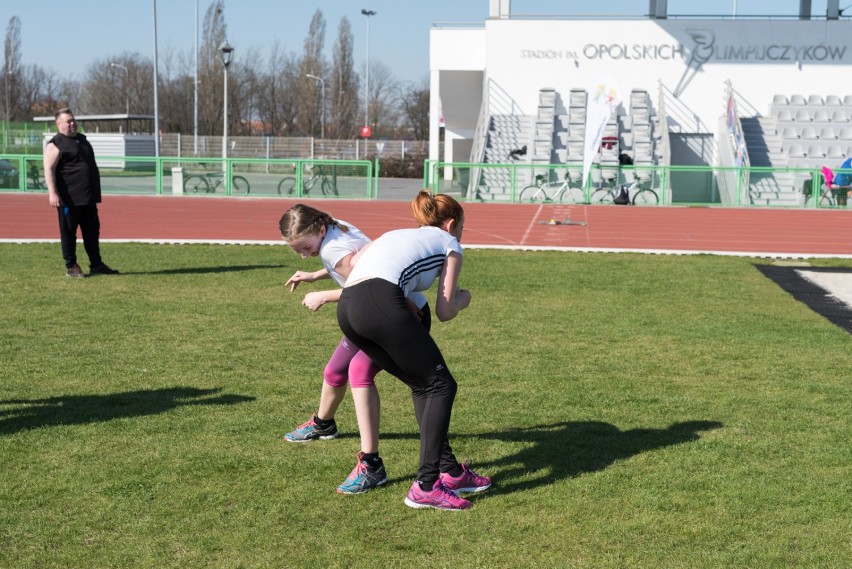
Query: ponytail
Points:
[431, 209]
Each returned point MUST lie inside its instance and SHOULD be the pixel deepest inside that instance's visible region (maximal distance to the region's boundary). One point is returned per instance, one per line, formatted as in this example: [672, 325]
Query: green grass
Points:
[633, 410]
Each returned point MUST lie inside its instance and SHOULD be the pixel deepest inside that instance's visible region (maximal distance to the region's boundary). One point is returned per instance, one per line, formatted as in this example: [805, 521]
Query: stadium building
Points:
[721, 109]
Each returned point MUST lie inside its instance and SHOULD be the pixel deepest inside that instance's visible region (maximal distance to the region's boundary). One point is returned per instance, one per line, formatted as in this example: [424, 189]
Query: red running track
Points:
[759, 232]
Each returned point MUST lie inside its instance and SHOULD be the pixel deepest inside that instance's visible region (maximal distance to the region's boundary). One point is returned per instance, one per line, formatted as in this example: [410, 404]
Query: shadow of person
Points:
[22, 414]
[568, 449]
[205, 270]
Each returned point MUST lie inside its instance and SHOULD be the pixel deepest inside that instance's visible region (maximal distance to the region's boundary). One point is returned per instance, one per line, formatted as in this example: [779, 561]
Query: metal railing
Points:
[674, 185]
[358, 179]
[336, 179]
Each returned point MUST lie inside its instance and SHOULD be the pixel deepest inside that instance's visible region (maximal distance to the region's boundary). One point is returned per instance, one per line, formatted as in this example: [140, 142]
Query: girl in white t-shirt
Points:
[310, 233]
[372, 314]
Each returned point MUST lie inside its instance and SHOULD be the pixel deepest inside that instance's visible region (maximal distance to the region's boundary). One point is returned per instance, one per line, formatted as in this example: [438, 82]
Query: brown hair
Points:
[435, 209]
[301, 221]
[62, 111]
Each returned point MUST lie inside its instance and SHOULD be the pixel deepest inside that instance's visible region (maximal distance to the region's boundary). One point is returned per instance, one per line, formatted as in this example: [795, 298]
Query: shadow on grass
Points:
[812, 295]
[569, 449]
[82, 409]
[204, 270]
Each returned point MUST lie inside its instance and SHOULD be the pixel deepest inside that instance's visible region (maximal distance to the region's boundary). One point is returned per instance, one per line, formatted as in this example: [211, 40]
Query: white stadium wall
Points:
[692, 58]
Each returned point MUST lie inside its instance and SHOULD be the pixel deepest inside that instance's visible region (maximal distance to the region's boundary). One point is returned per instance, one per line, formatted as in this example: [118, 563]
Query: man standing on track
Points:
[74, 189]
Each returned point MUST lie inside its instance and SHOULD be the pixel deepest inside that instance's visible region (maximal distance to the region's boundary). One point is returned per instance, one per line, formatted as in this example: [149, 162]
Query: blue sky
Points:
[399, 32]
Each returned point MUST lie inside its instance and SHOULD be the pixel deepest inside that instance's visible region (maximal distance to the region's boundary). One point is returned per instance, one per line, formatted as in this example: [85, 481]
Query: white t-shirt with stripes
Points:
[409, 258]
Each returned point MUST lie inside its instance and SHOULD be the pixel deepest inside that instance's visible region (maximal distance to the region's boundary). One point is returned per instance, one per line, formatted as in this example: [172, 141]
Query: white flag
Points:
[600, 106]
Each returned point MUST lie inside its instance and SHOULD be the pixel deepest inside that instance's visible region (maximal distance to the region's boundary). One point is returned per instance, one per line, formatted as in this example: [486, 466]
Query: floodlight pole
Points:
[195, 109]
[367, 13]
[322, 102]
[226, 50]
[156, 90]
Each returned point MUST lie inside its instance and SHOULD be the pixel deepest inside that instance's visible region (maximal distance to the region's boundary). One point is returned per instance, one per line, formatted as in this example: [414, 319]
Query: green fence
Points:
[512, 183]
[343, 179]
[646, 185]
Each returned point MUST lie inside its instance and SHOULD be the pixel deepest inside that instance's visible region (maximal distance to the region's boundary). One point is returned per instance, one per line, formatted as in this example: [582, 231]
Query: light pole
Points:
[6, 85]
[226, 50]
[367, 13]
[156, 89]
[195, 84]
[322, 102]
[126, 80]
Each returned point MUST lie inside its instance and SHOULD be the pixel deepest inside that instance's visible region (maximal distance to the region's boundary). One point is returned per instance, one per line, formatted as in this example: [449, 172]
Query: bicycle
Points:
[36, 182]
[288, 185]
[832, 193]
[543, 191]
[209, 182]
[643, 196]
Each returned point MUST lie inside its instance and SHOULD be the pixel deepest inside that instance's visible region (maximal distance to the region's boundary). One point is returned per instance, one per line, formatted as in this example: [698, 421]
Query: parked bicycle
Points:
[834, 194]
[209, 182]
[287, 186]
[639, 196]
[544, 191]
[36, 182]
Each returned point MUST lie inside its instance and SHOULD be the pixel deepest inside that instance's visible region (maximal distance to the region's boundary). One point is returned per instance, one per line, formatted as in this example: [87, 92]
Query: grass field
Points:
[633, 411]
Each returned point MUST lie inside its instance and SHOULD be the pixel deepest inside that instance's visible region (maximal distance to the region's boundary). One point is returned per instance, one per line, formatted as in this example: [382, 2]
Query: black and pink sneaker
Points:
[468, 481]
[438, 498]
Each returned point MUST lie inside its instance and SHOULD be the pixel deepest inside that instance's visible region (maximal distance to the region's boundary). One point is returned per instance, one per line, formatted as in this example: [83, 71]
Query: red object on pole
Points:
[366, 131]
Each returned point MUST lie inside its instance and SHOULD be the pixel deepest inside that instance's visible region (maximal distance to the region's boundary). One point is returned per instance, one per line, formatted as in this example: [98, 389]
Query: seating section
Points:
[556, 135]
[810, 130]
[544, 127]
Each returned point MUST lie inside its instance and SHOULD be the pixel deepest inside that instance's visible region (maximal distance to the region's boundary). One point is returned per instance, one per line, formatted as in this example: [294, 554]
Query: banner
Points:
[600, 106]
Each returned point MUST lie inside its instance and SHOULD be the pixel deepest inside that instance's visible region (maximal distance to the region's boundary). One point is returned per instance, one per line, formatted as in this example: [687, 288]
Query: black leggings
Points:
[374, 316]
[86, 218]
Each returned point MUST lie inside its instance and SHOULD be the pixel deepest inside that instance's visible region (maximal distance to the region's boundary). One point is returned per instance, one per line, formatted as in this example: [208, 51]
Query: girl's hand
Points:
[299, 276]
[313, 300]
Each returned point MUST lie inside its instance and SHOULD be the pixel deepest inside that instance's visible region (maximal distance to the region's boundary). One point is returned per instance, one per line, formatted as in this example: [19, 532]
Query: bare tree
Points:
[112, 84]
[274, 108]
[210, 70]
[384, 114]
[414, 101]
[243, 100]
[308, 92]
[343, 89]
[12, 88]
[177, 97]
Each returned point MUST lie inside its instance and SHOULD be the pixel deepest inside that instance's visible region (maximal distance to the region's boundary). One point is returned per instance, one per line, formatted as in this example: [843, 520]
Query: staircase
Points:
[764, 150]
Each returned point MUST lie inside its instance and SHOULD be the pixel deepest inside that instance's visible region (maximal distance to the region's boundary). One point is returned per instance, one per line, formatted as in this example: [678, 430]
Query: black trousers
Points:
[374, 316]
[86, 218]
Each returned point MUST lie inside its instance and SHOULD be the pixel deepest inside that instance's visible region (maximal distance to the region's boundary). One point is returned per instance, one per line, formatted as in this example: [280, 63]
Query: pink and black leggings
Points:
[374, 316]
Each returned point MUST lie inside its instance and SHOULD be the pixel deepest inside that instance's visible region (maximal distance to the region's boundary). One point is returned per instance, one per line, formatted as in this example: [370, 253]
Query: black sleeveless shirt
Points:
[78, 180]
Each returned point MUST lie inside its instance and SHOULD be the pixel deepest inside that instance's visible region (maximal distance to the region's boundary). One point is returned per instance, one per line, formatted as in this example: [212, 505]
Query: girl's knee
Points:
[334, 377]
[362, 371]
[444, 383]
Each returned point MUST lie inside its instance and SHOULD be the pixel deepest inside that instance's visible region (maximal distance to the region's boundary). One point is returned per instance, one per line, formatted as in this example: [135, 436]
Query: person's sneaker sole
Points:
[312, 439]
[473, 490]
[376, 485]
[419, 506]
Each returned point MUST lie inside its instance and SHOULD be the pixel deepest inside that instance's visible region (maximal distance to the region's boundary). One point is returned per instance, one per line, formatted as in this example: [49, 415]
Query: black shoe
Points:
[74, 271]
[102, 269]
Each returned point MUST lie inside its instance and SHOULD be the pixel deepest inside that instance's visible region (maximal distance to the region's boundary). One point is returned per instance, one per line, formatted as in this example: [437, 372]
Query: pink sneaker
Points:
[469, 481]
[439, 498]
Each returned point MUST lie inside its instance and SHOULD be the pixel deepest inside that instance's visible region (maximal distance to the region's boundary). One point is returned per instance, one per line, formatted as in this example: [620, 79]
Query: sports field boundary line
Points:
[533, 248]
